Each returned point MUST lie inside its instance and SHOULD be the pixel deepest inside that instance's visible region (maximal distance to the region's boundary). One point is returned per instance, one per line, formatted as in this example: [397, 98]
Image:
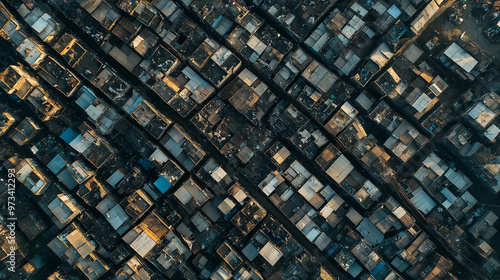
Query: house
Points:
[365, 146]
[60, 206]
[260, 43]
[215, 62]
[72, 174]
[405, 140]
[114, 214]
[78, 56]
[483, 227]
[191, 195]
[229, 255]
[168, 177]
[413, 84]
[218, 14]
[93, 192]
[6, 122]
[75, 247]
[16, 80]
[136, 268]
[89, 144]
[249, 95]
[29, 173]
[300, 131]
[340, 120]
[190, 90]
[101, 11]
[458, 57]
[25, 131]
[58, 76]
[230, 132]
[46, 27]
[99, 112]
[297, 19]
[32, 52]
[148, 117]
[343, 37]
[215, 177]
[484, 111]
[187, 151]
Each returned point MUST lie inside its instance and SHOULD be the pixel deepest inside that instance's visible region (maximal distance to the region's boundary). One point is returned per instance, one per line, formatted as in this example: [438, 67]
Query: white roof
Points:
[82, 142]
[270, 253]
[482, 114]
[159, 156]
[336, 202]
[354, 216]
[29, 51]
[399, 212]
[469, 200]
[240, 196]
[86, 97]
[359, 9]
[421, 103]
[143, 244]
[313, 234]
[340, 169]
[349, 109]
[364, 101]
[326, 211]
[492, 132]
[218, 174]
[40, 25]
[460, 57]
[432, 162]
[226, 206]
[23, 173]
[382, 55]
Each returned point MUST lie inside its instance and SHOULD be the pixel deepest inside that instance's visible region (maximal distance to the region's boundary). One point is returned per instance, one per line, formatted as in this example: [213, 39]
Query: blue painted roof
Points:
[162, 184]
[146, 163]
[68, 135]
[56, 164]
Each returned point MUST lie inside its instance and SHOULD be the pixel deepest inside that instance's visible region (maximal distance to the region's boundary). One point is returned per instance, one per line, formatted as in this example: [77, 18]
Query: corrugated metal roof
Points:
[394, 11]
[115, 178]
[270, 253]
[422, 201]
[322, 241]
[460, 57]
[143, 244]
[421, 103]
[340, 169]
[492, 132]
[183, 195]
[369, 232]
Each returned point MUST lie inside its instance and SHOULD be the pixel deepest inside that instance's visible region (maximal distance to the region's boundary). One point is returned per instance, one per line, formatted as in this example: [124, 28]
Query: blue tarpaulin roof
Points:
[162, 184]
[377, 269]
[68, 135]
